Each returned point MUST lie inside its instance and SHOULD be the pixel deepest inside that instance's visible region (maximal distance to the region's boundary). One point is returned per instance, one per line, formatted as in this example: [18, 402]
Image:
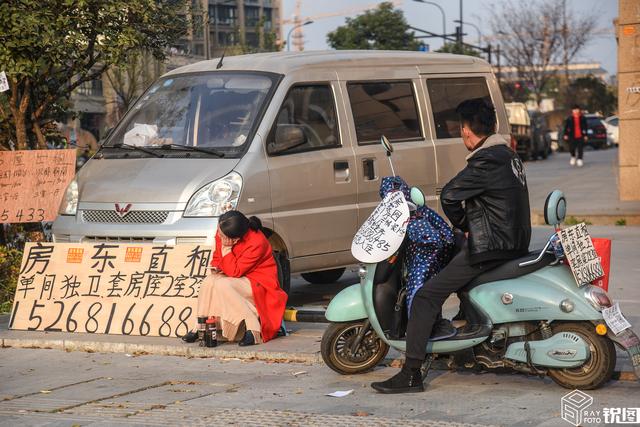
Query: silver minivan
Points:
[289, 137]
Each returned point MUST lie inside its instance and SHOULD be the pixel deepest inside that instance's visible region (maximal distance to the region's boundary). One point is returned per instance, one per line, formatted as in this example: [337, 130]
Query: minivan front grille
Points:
[133, 217]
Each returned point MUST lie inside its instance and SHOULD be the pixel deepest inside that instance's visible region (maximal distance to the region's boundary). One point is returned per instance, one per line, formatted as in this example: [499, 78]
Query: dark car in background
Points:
[541, 135]
[596, 134]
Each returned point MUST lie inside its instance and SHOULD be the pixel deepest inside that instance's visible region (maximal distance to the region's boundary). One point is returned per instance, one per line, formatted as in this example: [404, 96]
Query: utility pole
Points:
[461, 29]
[498, 61]
[565, 54]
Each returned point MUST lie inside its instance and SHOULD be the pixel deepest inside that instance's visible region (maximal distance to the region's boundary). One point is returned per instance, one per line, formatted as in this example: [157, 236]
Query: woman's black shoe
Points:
[248, 339]
[190, 337]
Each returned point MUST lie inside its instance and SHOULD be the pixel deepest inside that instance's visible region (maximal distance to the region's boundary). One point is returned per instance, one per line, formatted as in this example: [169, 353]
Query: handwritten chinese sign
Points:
[32, 183]
[582, 256]
[105, 288]
[382, 233]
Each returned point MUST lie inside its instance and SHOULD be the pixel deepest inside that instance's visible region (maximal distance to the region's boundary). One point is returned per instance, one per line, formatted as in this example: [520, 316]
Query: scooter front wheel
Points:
[338, 352]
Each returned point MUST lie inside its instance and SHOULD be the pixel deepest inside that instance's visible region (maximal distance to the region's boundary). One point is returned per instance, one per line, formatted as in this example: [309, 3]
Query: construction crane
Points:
[298, 19]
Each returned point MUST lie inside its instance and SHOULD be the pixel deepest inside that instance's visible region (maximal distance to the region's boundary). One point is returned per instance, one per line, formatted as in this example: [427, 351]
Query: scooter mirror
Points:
[386, 144]
[417, 196]
[555, 208]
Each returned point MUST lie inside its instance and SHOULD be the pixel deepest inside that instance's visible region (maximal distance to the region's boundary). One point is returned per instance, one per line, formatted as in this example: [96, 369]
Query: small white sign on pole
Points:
[4, 83]
[582, 256]
[383, 232]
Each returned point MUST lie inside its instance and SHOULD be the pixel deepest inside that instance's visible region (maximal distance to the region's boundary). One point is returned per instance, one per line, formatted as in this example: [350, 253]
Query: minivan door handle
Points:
[341, 171]
[369, 169]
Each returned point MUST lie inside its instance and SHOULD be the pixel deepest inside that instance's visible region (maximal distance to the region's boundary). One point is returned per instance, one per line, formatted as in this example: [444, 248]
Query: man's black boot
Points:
[408, 380]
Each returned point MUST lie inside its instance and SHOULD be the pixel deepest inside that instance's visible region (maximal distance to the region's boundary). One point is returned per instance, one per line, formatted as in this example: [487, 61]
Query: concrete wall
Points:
[628, 33]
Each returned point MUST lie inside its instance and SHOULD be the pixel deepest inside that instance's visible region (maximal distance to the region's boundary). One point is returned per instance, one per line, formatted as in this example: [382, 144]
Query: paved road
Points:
[54, 388]
[590, 190]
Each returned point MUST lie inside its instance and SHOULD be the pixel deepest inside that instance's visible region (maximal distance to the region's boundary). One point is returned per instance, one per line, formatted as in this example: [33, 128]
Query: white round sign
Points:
[383, 232]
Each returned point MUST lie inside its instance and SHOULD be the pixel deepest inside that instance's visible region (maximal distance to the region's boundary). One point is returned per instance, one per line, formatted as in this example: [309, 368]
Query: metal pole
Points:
[476, 28]
[461, 28]
[444, 19]
[498, 60]
[291, 31]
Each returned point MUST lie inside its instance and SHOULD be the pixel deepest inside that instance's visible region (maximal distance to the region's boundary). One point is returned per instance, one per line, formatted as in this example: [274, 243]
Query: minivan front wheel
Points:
[323, 277]
[284, 270]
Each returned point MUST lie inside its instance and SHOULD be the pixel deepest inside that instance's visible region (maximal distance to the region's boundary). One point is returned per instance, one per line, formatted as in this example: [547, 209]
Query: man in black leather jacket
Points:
[489, 201]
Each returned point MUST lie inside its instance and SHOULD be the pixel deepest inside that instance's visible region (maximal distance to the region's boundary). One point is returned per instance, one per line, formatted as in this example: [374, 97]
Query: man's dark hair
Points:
[479, 114]
[575, 107]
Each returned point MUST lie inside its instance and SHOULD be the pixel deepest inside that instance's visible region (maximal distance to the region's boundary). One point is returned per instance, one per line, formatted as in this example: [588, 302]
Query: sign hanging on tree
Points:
[4, 83]
[128, 289]
[32, 183]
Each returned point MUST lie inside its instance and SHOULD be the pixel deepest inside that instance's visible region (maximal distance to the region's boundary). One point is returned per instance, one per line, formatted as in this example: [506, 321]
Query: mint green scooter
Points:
[528, 314]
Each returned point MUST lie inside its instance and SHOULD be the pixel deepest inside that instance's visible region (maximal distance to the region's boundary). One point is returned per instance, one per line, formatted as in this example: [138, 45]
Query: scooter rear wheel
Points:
[336, 348]
[597, 370]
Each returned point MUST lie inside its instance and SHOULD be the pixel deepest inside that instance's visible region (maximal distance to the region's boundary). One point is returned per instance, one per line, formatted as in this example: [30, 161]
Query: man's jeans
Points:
[428, 301]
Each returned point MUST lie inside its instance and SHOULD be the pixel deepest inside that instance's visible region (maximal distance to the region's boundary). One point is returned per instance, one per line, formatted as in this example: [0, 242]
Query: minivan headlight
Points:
[215, 198]
[69, 203]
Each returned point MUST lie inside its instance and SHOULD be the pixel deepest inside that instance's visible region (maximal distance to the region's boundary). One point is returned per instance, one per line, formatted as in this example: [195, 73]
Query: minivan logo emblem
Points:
[122, 211]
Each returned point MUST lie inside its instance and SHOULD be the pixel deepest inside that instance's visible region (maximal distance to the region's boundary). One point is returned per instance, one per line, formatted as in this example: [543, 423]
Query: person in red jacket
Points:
[242, 289]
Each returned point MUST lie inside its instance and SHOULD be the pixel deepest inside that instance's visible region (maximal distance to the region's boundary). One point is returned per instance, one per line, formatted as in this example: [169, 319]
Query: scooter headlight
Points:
[69, 202]
[215, 198]
[597, 297]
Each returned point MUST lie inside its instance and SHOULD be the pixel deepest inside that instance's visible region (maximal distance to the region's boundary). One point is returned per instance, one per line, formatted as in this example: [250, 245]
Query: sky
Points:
[602, 49]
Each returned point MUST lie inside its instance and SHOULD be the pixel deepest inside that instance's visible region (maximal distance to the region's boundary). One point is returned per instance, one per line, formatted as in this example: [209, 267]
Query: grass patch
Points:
[621, 222]
[572, 220]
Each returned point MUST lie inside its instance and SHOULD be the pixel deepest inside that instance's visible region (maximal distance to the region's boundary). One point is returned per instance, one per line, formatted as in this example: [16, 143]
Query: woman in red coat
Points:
[242, 289]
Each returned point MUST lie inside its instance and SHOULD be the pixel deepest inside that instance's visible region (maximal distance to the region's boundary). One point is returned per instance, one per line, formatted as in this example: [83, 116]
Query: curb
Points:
[164, 350]
[537, 218]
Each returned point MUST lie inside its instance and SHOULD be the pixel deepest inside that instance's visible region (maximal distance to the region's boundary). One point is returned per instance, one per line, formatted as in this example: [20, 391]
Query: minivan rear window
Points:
[384, 108]
[446, 94]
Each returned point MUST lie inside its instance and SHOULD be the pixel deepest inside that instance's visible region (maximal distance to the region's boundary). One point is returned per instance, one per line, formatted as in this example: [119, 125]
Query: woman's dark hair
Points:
[234, 224]
[479, 114]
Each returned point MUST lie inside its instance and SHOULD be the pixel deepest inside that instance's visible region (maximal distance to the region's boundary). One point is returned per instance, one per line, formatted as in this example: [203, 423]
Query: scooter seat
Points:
[511, 269]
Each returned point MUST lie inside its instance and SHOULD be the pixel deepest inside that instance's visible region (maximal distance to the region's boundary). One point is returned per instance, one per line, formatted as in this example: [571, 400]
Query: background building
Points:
[234, 26]
[628, 35]
[252, 25]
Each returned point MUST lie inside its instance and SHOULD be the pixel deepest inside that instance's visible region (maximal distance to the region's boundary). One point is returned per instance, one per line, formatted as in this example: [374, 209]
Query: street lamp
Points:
[292, 29]
[444, 20]
[474, 26]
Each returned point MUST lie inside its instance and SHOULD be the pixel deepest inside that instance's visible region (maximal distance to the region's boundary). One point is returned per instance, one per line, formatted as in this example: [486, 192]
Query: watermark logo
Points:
[572, 406]
[574, 411]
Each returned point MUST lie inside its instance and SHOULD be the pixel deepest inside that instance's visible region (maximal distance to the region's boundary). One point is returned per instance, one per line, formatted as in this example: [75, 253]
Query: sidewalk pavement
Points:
[303, 343]
[591, 191]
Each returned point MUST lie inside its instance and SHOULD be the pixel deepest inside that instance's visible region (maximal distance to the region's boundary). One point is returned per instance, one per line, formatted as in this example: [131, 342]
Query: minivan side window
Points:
[446, 94]
[384, 108]
[307, 121]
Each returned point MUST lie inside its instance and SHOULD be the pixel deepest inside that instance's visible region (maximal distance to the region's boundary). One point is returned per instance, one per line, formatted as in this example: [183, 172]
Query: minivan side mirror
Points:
[286, 138]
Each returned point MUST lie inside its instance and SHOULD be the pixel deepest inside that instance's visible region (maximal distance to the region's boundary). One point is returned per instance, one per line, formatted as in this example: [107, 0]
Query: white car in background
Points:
[611, 123]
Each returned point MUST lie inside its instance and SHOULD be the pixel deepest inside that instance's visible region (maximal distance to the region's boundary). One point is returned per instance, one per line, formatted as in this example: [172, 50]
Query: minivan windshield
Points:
[216, 111]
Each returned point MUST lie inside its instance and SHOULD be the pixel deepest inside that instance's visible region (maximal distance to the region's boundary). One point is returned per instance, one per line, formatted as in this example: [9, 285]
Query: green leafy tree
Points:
[384, 28]
[593, 95]
[48, 49]
[457, 49]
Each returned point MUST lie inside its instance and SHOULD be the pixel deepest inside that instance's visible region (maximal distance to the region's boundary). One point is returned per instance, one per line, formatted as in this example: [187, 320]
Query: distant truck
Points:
[521, 131]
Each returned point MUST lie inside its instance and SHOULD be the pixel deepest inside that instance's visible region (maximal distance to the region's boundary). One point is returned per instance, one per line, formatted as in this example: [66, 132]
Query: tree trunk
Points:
[37, 130]
[20, 121]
